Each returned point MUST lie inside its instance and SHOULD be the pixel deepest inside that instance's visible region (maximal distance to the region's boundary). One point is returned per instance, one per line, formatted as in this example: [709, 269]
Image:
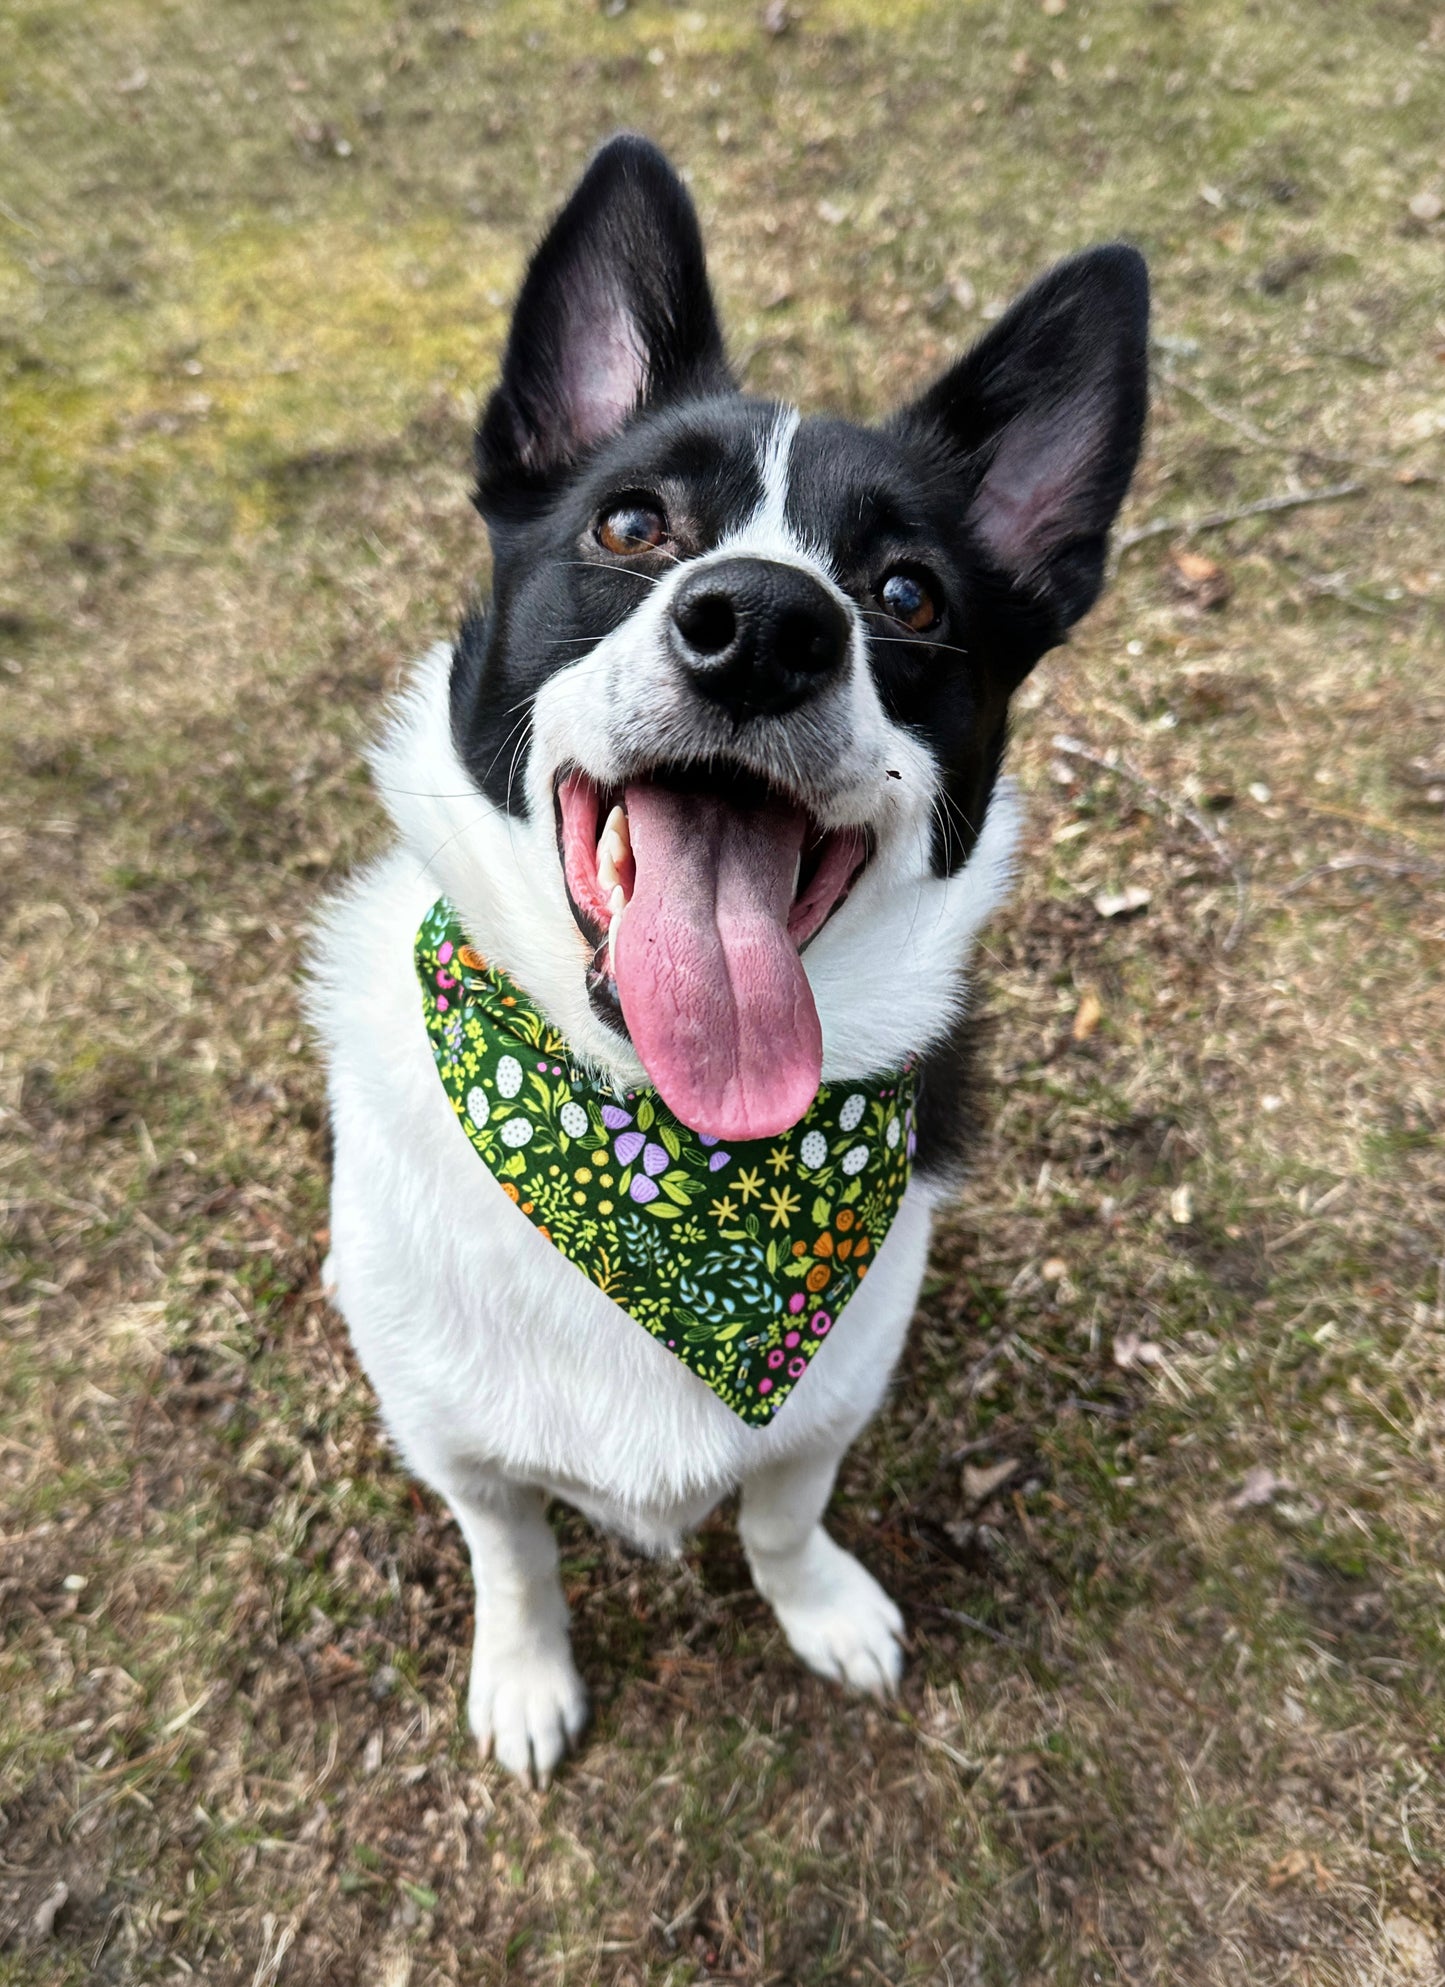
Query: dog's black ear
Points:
[1046, 414]
[615, 312]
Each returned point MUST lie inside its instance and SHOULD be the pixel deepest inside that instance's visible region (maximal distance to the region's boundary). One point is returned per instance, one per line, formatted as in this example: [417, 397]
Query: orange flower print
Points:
[844, 1217]
[510, 1191]
[823, 1246]
[817, 1278]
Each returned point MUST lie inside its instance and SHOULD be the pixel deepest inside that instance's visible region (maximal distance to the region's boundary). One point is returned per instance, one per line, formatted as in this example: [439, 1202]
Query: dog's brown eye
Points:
[906, 596]
[631, 528]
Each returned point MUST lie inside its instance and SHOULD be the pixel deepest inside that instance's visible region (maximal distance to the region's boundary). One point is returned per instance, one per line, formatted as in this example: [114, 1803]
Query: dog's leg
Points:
[832, 1610]
[526, 1702]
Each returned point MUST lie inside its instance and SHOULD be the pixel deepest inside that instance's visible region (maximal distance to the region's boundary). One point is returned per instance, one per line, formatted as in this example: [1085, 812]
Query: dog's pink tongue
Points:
[714, 993]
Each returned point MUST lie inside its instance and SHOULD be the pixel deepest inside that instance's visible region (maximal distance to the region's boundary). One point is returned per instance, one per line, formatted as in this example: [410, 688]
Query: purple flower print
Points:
[706, 1138]
[718, 1161]
[643, 1190]
[654, 1159]
[628, 1147]
[615, 1118]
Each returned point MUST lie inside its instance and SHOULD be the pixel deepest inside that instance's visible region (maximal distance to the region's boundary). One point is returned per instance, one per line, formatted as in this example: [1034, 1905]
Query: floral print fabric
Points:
[739, 1257]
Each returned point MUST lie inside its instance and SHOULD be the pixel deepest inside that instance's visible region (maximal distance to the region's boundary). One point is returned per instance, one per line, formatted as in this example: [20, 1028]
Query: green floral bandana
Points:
[740, 1257]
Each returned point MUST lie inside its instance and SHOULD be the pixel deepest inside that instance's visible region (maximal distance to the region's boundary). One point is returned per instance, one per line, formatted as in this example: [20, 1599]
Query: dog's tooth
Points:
[606, 863]
[618, 901]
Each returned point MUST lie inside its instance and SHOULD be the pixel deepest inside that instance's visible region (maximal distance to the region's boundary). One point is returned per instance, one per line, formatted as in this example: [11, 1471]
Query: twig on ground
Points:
[1190, 527]
[1261, 437]
[1109, 762]
[1384, 865]
[982, 1628]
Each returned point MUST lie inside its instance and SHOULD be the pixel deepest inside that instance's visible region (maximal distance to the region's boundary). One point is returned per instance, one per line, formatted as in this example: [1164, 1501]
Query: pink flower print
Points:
[775, 1357]
[628, 1147]
[765, 1386]
[718, 1161]
[442, 1003]
[796, 1367]
[654, 1159]
[643, 1190]
[615, 1118]
[445, 979]
[444, 952]
[820, 1324]
[797, 1300]
[791, 1339]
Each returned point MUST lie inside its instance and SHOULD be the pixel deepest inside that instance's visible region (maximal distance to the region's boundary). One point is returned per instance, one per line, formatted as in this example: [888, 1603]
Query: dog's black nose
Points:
[757, 637]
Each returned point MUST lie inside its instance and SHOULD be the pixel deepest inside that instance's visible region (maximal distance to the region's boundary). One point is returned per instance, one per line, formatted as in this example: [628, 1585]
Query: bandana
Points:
[738, 1257]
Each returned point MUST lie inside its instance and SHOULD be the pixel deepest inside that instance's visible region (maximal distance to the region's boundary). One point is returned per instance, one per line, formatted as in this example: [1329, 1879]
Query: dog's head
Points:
[736, 710]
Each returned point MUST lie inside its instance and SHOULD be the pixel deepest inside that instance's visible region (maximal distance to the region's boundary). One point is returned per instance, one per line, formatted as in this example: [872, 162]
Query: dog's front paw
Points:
[839, 1620]
[526, 1709]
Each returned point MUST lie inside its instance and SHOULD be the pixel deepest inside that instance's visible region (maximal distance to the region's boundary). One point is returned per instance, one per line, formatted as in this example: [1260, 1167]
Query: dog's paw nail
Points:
[845, 1627]
[527, 1713]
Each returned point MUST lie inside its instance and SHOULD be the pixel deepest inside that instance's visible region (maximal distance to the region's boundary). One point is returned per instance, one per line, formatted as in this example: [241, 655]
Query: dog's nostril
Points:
[708, 623]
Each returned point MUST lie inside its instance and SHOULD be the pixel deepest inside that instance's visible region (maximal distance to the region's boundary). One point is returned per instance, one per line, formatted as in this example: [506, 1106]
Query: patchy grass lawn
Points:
[1161, 1485]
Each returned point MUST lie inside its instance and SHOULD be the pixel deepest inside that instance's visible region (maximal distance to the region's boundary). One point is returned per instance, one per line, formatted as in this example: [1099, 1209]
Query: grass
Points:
[1166, 1719]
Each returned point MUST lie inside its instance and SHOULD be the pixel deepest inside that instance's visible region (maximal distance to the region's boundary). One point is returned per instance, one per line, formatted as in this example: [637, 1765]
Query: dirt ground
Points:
[1160, 1485]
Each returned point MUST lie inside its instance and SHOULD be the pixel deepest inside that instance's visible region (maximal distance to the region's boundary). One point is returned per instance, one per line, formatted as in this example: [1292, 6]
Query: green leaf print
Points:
[709, 1275]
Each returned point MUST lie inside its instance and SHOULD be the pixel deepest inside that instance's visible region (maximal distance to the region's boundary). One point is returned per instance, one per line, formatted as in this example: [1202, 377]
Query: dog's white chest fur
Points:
[488, 1350]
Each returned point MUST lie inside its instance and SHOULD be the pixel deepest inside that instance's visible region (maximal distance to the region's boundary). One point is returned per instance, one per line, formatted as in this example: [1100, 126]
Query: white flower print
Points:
[852, 1112]
[478, 1109]
[518, 1131]
[574, 1120]
[814, 1149]
[894, 1133]
[854, 1159]
[509, 1077]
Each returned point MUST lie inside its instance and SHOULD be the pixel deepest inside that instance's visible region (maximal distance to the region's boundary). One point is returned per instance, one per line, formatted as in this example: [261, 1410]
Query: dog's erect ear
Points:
[1047, 412]
[615, 311]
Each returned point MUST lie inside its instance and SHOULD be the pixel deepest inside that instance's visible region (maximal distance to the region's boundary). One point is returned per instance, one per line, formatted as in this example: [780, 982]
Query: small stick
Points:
[1073, 748]
[1190, 527]
[1261, 437]
[1383, 865]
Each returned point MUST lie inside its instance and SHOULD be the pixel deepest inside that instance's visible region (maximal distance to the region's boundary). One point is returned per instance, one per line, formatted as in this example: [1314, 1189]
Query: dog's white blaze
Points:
[772, 512]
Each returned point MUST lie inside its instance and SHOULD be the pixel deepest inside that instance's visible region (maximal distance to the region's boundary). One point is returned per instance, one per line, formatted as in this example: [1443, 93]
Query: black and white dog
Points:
[715, 778]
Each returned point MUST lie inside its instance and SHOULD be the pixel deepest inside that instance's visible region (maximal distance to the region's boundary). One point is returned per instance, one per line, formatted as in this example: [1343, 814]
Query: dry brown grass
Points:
[253, 274]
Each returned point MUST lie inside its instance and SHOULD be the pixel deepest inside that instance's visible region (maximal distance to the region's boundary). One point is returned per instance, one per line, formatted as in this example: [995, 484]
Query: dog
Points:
[706, 808]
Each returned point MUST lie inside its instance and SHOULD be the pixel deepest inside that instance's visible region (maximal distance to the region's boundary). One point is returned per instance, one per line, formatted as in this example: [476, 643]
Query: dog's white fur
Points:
[504, 1375]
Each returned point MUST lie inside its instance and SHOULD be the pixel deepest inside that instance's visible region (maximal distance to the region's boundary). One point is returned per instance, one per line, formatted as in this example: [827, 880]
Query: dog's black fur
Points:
[998, 485]
[1001, 481]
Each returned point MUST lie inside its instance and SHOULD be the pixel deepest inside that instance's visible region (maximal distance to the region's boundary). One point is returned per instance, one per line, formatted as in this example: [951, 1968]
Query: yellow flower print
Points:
[783, 1204]
[780, 1159]
[749, 1184]
[723, 1210]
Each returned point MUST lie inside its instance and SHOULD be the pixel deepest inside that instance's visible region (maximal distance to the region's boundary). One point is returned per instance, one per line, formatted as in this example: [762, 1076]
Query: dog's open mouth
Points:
[697, 889]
